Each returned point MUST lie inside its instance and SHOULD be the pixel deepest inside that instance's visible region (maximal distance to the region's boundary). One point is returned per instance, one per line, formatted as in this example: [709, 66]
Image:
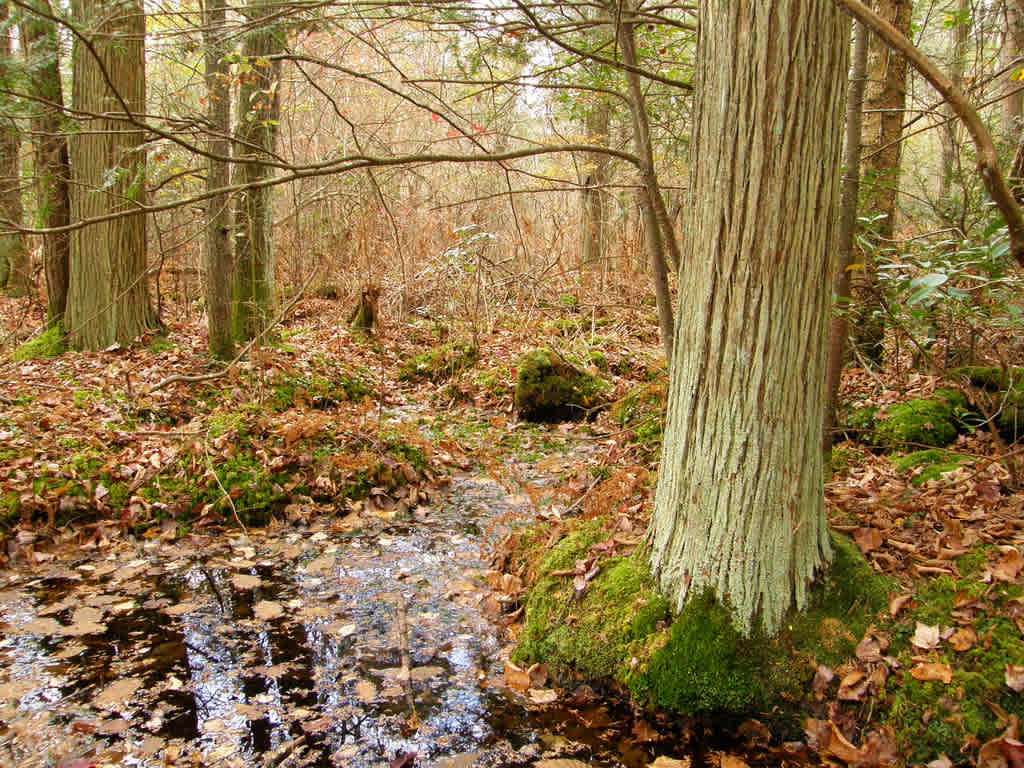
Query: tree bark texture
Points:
[108, 300]
[739, 507]
[52, 165]
[15, 264]
[847, 228]
[885, 97]
[256, 139]
[219, 272]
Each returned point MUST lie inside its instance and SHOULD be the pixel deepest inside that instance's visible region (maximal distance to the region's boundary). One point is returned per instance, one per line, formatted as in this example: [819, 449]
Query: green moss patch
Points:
[440, 363]
[549, 388]
[47, 344]
[929, 464]
[931, 717]
[317, 391]
[930, 421]
[620, 628]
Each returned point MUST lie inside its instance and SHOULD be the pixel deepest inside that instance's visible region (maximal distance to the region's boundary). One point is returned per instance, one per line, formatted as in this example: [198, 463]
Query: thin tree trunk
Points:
[951, 130]
[847, 229]
[108, 301]
[1013, 59]
[594, 196]
[661, 243]
[52, 166]
[256, 138]
[219, 272]
[884, 101]
[739, 508]
[15, 264]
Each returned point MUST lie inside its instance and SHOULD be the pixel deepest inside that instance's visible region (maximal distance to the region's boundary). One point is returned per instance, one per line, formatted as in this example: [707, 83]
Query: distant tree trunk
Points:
[884, 100]
[108, 300]
[661, 242]
[951, 130]
[256, 139]
[739, 507]
[595, 204]
[1013, 51]
[52, 167]
[15, 264]
[219, 273]
[847, 228]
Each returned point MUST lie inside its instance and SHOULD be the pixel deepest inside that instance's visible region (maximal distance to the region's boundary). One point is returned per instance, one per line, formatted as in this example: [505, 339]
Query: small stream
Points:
[284, 648]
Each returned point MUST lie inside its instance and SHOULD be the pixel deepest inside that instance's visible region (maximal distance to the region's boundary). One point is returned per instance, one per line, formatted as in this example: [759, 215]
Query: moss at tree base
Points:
[551, 389]
[620, 628]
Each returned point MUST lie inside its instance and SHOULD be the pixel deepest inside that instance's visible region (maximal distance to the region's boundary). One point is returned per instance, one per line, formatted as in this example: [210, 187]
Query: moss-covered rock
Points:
[991, 377]
[548, 388]
[620, 628]
[439, 363]
[932, 421]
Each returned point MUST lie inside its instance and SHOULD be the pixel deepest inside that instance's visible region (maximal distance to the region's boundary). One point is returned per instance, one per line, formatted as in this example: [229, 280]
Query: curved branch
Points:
[988, 160]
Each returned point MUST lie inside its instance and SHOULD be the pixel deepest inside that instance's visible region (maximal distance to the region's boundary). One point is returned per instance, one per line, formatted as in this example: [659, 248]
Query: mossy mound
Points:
[592, 631]
[318, 392]
[931, 421]
[930, 464]
[548, 388]
[439, 363]
[1002, 395]
[619, 627]
[50, 343]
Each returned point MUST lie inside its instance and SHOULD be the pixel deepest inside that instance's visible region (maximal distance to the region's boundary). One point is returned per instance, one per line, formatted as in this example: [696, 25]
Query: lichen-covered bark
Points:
[108, 300]
[739, 506]
[219, 277]
[40, 45]
[256, 139]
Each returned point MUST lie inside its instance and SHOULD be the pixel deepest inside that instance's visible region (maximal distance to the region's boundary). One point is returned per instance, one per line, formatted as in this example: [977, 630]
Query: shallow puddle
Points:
[319, 647]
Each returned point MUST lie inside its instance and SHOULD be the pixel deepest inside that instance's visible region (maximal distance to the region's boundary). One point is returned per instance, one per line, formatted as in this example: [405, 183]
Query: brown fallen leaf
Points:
[868, 650]
[940, 762]
[1009, 565]
[517, 678]
[932, 670]
[1015, 677]
[853, 686]
[246, 581]
[868, 539]
[117, 694]
[963, 639]
[366, 691]
[824, 736]
[897, 602]
[542, 696]
[669, 762]
[267, 610]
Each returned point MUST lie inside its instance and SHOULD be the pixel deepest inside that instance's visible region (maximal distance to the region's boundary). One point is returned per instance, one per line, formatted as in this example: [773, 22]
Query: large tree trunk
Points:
[108, 300]
[884, 101]
[219, 272]
[847, 229]
[52, 166]
[256, 138]
[739, 507]
[15, 265]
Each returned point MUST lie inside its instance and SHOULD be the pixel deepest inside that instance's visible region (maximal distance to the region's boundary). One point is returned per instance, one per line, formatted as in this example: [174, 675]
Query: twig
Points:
[214, 587]
[282, 753]
[403, 640]
[244, 351]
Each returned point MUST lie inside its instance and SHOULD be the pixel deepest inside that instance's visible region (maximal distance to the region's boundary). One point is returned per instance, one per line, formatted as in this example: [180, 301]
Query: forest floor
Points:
[291, 563]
